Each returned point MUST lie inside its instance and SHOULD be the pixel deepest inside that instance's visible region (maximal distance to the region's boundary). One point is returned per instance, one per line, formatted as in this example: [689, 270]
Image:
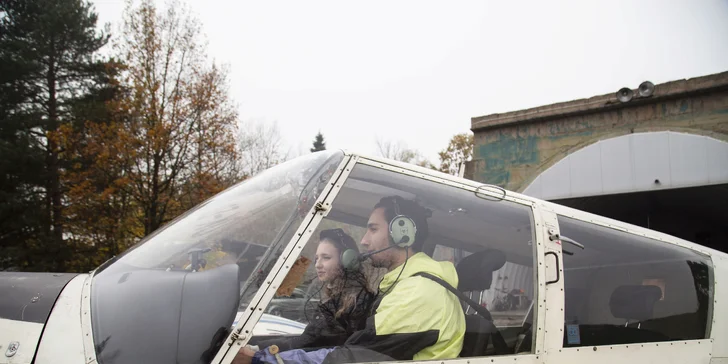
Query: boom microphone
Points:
[363, 257]
[351, 259]
[404, 240]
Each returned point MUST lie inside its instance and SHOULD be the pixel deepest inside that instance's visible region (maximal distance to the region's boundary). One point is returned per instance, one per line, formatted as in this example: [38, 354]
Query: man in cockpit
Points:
[413, 317]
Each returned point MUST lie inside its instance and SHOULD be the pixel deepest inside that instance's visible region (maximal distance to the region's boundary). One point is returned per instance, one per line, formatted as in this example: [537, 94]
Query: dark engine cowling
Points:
[158, 316]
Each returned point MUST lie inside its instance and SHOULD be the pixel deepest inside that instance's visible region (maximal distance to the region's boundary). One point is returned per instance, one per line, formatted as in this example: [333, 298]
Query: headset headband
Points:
[336, 235]
[396, 207]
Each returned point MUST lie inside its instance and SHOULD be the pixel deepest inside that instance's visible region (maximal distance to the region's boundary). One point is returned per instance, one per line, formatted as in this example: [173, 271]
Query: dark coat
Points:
[324, 329]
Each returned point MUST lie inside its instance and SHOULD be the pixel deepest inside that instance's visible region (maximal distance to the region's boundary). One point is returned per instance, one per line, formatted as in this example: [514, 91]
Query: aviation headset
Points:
[402, 228]
[402, 232]
[346, 253]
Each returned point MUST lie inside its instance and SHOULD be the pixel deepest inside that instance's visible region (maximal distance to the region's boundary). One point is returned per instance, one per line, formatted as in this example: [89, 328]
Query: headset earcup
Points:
[350, 259]
[402, 230]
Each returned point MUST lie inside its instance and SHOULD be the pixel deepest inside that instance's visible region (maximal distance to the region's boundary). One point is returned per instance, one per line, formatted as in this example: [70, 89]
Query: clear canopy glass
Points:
[185, 281]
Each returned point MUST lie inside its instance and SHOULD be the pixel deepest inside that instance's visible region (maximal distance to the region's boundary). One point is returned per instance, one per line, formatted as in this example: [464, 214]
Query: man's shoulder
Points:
[420, 285]
[441, 269]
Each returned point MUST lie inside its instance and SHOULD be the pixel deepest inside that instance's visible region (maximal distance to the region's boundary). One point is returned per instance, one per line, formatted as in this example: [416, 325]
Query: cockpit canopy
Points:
[187, 280]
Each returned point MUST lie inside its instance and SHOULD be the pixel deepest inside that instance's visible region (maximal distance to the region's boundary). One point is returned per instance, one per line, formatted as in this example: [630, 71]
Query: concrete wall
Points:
[512, 149]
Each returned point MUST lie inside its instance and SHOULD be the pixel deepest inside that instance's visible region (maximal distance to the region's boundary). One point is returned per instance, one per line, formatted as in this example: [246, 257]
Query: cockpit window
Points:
[621, 288]
[188, 280]
[228, 226]
[482, 248]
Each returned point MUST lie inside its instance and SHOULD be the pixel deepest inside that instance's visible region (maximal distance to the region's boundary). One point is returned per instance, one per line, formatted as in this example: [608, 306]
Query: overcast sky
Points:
[417, 71]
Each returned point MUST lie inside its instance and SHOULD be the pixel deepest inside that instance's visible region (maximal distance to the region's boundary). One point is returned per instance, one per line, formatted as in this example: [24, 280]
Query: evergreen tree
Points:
[21, 165]
[47, 49]
[318, 143]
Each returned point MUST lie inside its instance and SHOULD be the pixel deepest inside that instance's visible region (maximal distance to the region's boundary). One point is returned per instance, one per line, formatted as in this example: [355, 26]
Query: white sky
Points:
[417, 71]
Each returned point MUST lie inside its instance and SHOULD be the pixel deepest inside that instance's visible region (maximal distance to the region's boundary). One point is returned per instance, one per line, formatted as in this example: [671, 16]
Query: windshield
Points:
[186, 280]
[246, 216]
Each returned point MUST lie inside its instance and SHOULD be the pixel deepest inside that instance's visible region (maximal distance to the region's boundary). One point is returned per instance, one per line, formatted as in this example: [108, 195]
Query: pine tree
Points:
[318, 143]
[54, 43]
[21, 166]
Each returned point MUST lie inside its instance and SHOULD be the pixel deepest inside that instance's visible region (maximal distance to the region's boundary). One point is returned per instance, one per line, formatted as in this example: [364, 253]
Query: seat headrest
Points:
[475, 272]
[634, 302]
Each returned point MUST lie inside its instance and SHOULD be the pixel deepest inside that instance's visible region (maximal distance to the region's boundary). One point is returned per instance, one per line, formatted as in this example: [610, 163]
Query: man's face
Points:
[377, 237]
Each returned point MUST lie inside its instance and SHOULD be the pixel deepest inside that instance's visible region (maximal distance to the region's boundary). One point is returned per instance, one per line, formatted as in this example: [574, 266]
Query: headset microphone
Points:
[364, 256]
[402, 230]
[351, 259]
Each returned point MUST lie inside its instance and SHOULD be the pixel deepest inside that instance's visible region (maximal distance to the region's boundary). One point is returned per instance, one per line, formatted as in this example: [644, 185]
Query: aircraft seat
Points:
[634, 302]
[475, 273]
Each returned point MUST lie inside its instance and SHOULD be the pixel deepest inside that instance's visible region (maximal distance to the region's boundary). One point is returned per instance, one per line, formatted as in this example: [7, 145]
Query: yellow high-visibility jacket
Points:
[414, 318]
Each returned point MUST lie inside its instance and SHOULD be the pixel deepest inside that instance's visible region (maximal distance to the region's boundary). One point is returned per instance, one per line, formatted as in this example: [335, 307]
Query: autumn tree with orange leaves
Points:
[169, 140]
[99, 210]
[177, 129]
[459, 150]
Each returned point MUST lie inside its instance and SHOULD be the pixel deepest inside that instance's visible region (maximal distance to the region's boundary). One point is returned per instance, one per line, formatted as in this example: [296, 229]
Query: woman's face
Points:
[327, 261]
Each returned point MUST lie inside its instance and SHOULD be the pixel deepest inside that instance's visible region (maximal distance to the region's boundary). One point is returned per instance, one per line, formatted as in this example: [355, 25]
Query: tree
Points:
[459, 150]
[259, 147]
[175, 129]
[98, 154]
[22, 220]
[318, 143]
[215, 153]
[399, 152]
[99, 212]
[168, 142]
[52, 44]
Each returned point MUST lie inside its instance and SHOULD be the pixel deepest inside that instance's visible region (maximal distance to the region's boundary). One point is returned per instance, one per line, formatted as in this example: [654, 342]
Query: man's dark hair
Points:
[411, 209]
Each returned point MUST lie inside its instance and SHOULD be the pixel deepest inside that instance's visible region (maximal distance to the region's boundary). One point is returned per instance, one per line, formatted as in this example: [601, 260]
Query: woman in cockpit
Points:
[347, 297]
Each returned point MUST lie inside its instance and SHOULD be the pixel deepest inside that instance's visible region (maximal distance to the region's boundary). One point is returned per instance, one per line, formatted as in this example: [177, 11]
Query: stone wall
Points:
[512, 149]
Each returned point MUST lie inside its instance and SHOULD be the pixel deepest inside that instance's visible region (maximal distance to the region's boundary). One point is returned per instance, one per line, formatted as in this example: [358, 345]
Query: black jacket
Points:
[324, 329]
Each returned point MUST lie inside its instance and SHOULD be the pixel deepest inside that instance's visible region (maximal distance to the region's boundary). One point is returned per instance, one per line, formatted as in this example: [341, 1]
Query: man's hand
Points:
[244, 356]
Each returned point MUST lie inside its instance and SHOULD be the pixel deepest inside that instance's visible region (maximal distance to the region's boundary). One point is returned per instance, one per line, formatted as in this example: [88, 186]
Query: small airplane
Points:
[560, 285]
